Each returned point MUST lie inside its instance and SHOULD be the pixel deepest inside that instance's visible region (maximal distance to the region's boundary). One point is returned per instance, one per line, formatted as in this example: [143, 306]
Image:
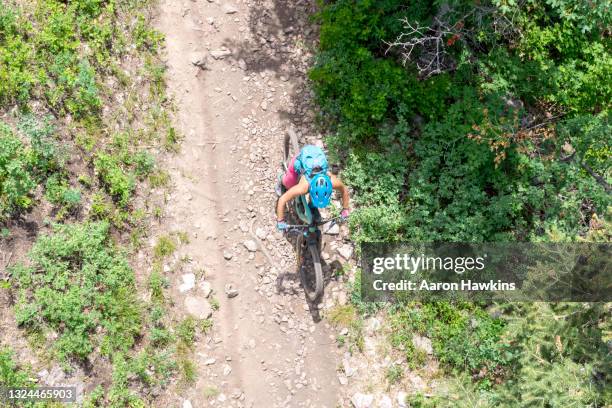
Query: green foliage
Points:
[454, 330]
[145, 163]
[58, 191]
[11, 375]
[475, 154]
[186, 331]
[165, 246]
[117, 182]
[394, 373]
[16, 178]
[77, 282]
[16, 76]
[119, 394]
[146, 37]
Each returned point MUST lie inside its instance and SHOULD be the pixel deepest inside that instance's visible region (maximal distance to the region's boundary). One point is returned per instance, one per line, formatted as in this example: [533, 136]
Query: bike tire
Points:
[293, 141]
[318, 269]
[313, 290]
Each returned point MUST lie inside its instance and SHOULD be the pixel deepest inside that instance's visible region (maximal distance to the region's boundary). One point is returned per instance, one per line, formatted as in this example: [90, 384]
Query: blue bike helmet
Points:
[320, 190]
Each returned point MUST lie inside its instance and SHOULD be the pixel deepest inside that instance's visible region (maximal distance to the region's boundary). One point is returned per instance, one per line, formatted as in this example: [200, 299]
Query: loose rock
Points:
[401, 399]
[228, 9]
[206, 288]
[220, 54]
[385, 402]
[422, 343]
[346, 251]
[250, 245]
[198, 307]
[230, 291]
[188, 282]
[360, 400]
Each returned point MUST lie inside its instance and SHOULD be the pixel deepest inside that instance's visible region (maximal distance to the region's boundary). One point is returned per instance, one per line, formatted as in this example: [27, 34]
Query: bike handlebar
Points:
[296, 227]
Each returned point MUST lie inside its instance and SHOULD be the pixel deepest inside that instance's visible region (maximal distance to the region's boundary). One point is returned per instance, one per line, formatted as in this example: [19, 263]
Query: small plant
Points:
[11, 375]
[340, 340]
[214, 303]
[144, 164]
[188, 371]
[157, 283]
[160, 337]
[165, 247]
[342, 316]
[183, 237]
[186, 331]
[159, 178]
[210, 391]
[205, 325]
[117, 182]
[16, 179]
[101, 208]
[394, 373]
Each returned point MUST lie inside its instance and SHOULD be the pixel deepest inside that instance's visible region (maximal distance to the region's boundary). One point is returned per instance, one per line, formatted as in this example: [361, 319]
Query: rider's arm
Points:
[299, 189]
[337, 184]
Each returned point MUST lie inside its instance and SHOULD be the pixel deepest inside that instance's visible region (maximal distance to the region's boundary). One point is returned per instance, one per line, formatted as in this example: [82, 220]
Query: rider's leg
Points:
[287, 180]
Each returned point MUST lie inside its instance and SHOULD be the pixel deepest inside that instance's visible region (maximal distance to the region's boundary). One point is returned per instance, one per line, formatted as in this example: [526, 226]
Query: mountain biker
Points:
[308, 173]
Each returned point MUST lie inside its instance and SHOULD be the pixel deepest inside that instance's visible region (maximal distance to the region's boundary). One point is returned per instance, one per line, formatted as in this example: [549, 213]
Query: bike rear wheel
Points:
[311, 271]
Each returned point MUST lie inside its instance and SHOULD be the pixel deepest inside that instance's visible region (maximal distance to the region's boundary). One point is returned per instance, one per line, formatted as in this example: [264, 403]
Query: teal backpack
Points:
[311, 161]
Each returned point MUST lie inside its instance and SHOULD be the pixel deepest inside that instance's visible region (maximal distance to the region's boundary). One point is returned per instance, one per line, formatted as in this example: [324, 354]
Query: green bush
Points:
[16, 76]
[116, 181]
[76, 283]
[448, 158]
[16, 179]
[463, 337]
[11, 375]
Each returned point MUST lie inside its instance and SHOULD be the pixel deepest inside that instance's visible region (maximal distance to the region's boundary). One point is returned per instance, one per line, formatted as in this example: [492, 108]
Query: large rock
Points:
[261, 233]
[349, 371]
[422, 343]
[188, 282]
[198, 307]
[346, 251]
[360, 400]
[331, 229]
[401, 399]
[206, 288]
[385, 402]
[250, 245]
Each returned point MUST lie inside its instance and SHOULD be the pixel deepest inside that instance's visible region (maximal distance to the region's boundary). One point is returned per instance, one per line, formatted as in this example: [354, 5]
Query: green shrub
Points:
[186, 331]
[16, 179]
[77, 282]
[117, 182]
[144, 163]
[454, 330]
[165, 246]
[145, 37]
[16, 76]
[11, 375]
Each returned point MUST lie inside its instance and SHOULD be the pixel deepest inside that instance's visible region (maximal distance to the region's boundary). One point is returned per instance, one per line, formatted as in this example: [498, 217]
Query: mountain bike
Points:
[308, 243]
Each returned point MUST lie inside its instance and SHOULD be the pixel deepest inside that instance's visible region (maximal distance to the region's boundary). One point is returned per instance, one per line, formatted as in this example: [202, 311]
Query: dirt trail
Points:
[266, 349]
